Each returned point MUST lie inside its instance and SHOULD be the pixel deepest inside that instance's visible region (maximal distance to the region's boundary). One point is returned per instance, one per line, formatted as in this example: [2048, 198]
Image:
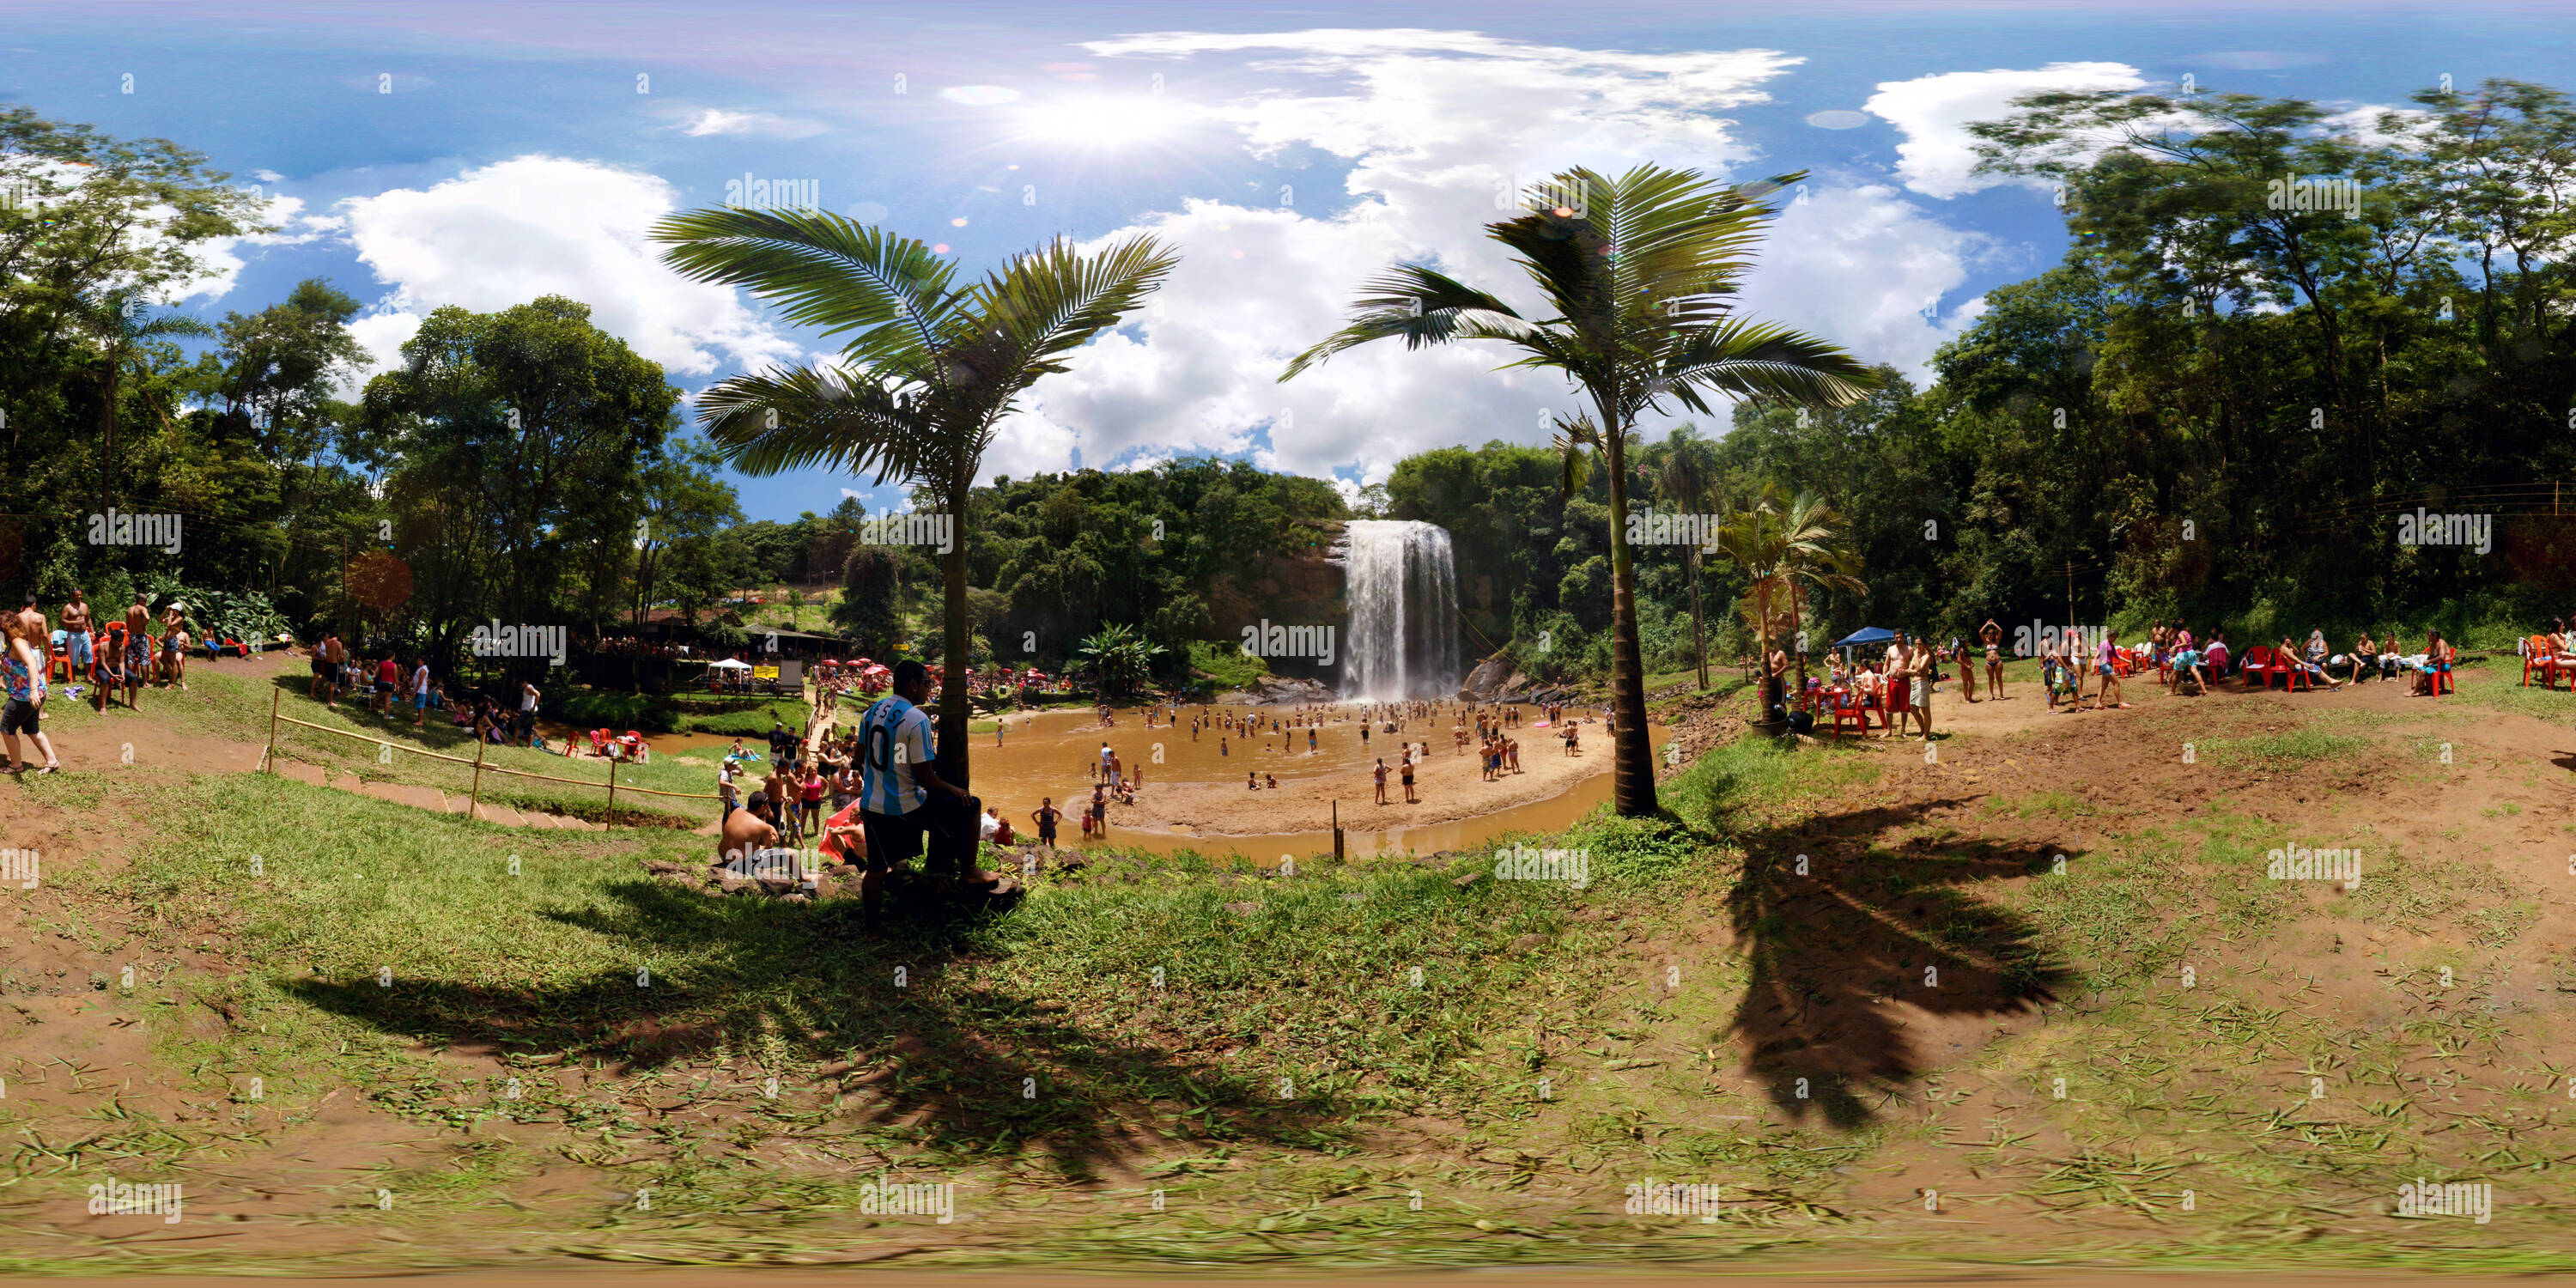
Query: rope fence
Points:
[474, 796]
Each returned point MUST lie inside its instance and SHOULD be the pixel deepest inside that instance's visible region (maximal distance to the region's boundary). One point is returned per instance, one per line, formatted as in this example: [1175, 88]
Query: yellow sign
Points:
[764, 673]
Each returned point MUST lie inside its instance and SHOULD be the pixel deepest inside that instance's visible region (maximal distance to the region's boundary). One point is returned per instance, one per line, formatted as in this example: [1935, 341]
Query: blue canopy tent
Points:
[1865, 635]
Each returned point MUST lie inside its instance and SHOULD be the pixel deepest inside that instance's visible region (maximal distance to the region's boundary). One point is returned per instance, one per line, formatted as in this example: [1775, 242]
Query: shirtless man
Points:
[335, 667]
[174, 645]
[30, 623]
[77, 640]
[138, 639]
[745, 833]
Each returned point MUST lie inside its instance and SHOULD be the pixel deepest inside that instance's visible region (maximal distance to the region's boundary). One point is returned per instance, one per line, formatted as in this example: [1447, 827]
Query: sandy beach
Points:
[1448, 784]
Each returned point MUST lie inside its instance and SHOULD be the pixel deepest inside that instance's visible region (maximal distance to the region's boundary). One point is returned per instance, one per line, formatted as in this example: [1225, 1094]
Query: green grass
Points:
[749, 721]
[2282, 750]
[1227, 667]
[1297, 1083]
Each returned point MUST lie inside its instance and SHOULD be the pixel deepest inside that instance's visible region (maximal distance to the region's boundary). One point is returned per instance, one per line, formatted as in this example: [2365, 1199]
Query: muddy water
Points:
[1049, 754]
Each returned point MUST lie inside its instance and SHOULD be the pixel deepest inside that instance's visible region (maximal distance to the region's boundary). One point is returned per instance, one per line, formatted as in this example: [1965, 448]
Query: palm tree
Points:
[1120, 656]
[1785, 544]
[1683, 476]
[1638, 276]
[927, 372]
[1814, 552]
[1751, 537]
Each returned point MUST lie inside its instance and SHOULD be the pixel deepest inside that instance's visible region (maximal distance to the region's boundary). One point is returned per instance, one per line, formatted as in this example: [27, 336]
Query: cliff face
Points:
[1297, 590]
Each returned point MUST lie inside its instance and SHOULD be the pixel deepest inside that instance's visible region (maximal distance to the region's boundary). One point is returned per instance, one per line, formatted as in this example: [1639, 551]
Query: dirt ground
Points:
[2008, 784]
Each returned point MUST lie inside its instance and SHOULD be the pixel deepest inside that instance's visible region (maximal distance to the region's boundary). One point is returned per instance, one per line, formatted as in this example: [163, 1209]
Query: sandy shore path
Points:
[1448, 783]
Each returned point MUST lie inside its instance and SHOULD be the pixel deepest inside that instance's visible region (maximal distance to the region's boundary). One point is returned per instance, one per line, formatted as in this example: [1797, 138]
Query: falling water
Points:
[1402, 641]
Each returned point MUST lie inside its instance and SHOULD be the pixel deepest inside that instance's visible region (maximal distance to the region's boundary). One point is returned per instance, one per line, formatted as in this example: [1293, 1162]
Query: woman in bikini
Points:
[1967, 670]
[1994, 638]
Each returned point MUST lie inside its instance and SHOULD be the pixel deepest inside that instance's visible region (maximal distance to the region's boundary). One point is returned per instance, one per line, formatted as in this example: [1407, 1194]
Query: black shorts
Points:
[20, 717]
[1046, 836]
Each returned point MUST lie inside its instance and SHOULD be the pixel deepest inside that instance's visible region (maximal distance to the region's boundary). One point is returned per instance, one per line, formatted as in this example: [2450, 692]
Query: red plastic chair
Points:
[2543, 658]
[1845, 707]
[2290, 671]
[2258, 667]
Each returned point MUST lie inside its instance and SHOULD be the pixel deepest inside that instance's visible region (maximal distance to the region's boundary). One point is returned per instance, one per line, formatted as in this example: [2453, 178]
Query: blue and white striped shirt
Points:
[894, 738]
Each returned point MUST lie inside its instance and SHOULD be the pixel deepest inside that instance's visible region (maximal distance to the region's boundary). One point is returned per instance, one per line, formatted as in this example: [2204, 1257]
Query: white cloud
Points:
[535, 225]
[1846, 236]
[2362, 124]
[1434, 126]
[1938, 157]
[703, 122]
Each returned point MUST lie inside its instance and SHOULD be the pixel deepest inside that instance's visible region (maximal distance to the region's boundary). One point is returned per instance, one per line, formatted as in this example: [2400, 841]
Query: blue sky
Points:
[481, 154]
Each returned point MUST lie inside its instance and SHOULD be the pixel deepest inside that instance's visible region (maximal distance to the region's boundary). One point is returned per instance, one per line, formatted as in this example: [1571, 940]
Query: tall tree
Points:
[1639, 275]
[928, 372]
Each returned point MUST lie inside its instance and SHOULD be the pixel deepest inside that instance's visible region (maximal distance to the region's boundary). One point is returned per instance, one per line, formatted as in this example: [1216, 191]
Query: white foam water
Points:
[1402, 582]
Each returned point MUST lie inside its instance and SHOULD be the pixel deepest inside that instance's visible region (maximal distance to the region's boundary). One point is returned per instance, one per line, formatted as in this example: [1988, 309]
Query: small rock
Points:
[798, 897]
[1238, 909]
[1528, 942]
[1468, 880]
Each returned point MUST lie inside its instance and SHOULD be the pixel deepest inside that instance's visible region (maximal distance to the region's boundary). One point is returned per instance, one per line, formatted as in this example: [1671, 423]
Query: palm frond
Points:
[1047, 303]
[1762, 359]
[1421, 306]
[820, 270]
[770, 422]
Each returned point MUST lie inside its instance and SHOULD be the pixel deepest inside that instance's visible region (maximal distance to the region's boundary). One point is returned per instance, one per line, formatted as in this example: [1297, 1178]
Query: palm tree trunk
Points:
[1632, 756]
[1798, 620]
[955, 634]
[1699, 628]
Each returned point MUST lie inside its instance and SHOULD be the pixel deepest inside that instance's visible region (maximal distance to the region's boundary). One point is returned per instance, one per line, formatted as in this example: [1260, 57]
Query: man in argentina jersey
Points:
[900, 795]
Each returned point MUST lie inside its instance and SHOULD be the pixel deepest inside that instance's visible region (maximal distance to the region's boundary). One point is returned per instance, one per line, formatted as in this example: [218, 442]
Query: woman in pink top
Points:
[811, 791]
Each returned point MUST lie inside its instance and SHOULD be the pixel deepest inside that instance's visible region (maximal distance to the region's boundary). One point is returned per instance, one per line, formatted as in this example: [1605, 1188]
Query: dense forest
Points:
[2217, 406]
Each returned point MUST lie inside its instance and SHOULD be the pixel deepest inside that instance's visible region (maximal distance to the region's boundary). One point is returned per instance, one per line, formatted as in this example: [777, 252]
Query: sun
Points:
[1100, 121]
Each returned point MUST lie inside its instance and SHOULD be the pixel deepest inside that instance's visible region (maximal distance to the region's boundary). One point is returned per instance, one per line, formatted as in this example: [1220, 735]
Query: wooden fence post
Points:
[269, 762]
[474, 803]
[612, 789]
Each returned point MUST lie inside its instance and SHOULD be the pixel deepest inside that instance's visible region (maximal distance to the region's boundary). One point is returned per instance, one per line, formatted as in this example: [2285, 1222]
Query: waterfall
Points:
[1402, 641]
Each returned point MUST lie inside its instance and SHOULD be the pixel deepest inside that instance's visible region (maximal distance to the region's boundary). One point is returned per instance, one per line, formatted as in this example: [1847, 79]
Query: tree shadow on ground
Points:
[1836, 950]
[948, 1065]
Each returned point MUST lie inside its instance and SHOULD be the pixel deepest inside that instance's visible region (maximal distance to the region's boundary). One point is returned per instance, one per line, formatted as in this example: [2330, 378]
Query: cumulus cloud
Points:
[1435, 127]
[1439, 130]
[1843, 236]
[1938, 157]
[509, 232]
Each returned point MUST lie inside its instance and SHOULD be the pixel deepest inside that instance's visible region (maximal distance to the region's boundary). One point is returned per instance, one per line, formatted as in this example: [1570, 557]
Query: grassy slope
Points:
[1288, 1087]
